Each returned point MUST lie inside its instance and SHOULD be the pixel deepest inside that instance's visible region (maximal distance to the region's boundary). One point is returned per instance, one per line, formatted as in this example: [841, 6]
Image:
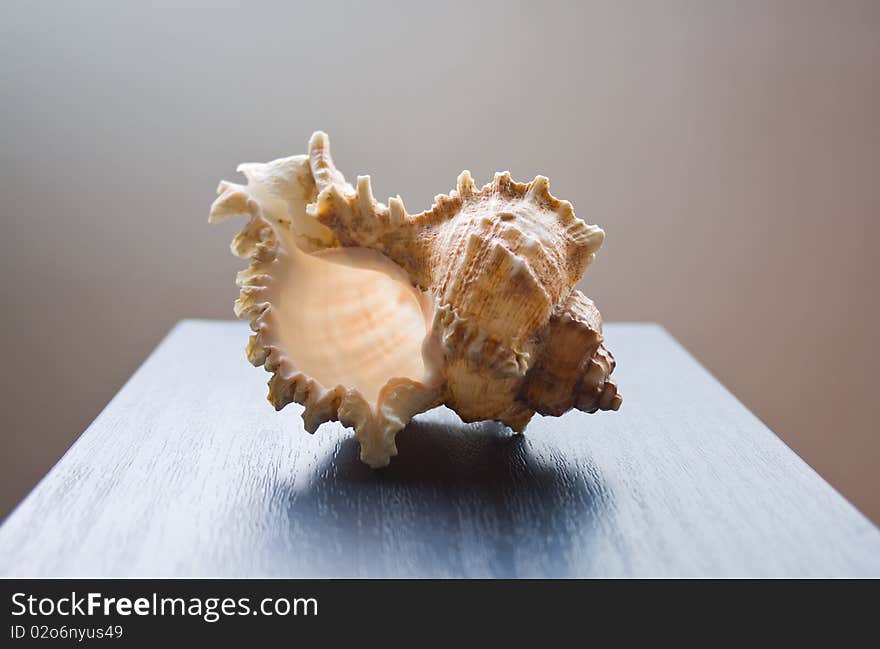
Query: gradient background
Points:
[730, 150]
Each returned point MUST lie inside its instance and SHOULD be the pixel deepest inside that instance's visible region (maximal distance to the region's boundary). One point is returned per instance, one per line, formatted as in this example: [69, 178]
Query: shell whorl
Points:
[501, 262]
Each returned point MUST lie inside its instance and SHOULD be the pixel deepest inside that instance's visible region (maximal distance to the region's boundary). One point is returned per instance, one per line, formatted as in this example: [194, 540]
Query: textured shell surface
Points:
[369, 315]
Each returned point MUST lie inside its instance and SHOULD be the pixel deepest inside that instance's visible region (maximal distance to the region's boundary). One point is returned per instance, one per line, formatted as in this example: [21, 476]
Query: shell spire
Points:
[368, 315]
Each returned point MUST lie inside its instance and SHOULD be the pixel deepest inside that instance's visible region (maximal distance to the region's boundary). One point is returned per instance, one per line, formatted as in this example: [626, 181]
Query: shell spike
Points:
[501, 181]
[323, 170]
[232, 201]
[396, 211]
[539, 188]
[565, 210]
[465, 184]
[365, 195]
[333, 197]
[589, 237]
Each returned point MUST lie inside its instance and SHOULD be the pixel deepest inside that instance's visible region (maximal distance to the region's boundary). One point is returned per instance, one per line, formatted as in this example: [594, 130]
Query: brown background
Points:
[730, 150]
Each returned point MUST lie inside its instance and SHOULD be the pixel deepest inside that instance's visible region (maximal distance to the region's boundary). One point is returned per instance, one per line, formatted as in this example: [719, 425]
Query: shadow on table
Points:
[459, 500]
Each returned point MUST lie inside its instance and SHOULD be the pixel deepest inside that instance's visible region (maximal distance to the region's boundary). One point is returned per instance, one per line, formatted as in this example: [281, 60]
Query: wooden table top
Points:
[189, 472]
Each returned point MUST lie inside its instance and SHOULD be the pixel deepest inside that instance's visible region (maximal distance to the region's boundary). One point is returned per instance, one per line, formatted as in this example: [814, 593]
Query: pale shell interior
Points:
[350, 318]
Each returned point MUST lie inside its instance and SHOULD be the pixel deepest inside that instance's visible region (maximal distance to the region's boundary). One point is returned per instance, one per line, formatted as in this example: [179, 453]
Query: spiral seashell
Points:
[368, 315]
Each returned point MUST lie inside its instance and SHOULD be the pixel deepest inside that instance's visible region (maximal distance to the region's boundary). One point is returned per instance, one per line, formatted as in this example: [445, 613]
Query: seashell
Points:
[369, 315]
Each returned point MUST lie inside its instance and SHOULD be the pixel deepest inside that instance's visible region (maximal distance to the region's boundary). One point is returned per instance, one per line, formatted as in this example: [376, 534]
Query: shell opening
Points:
[351, 318]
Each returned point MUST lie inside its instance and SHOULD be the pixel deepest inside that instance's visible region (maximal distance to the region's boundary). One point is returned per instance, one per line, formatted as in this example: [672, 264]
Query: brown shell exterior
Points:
[501, 263]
